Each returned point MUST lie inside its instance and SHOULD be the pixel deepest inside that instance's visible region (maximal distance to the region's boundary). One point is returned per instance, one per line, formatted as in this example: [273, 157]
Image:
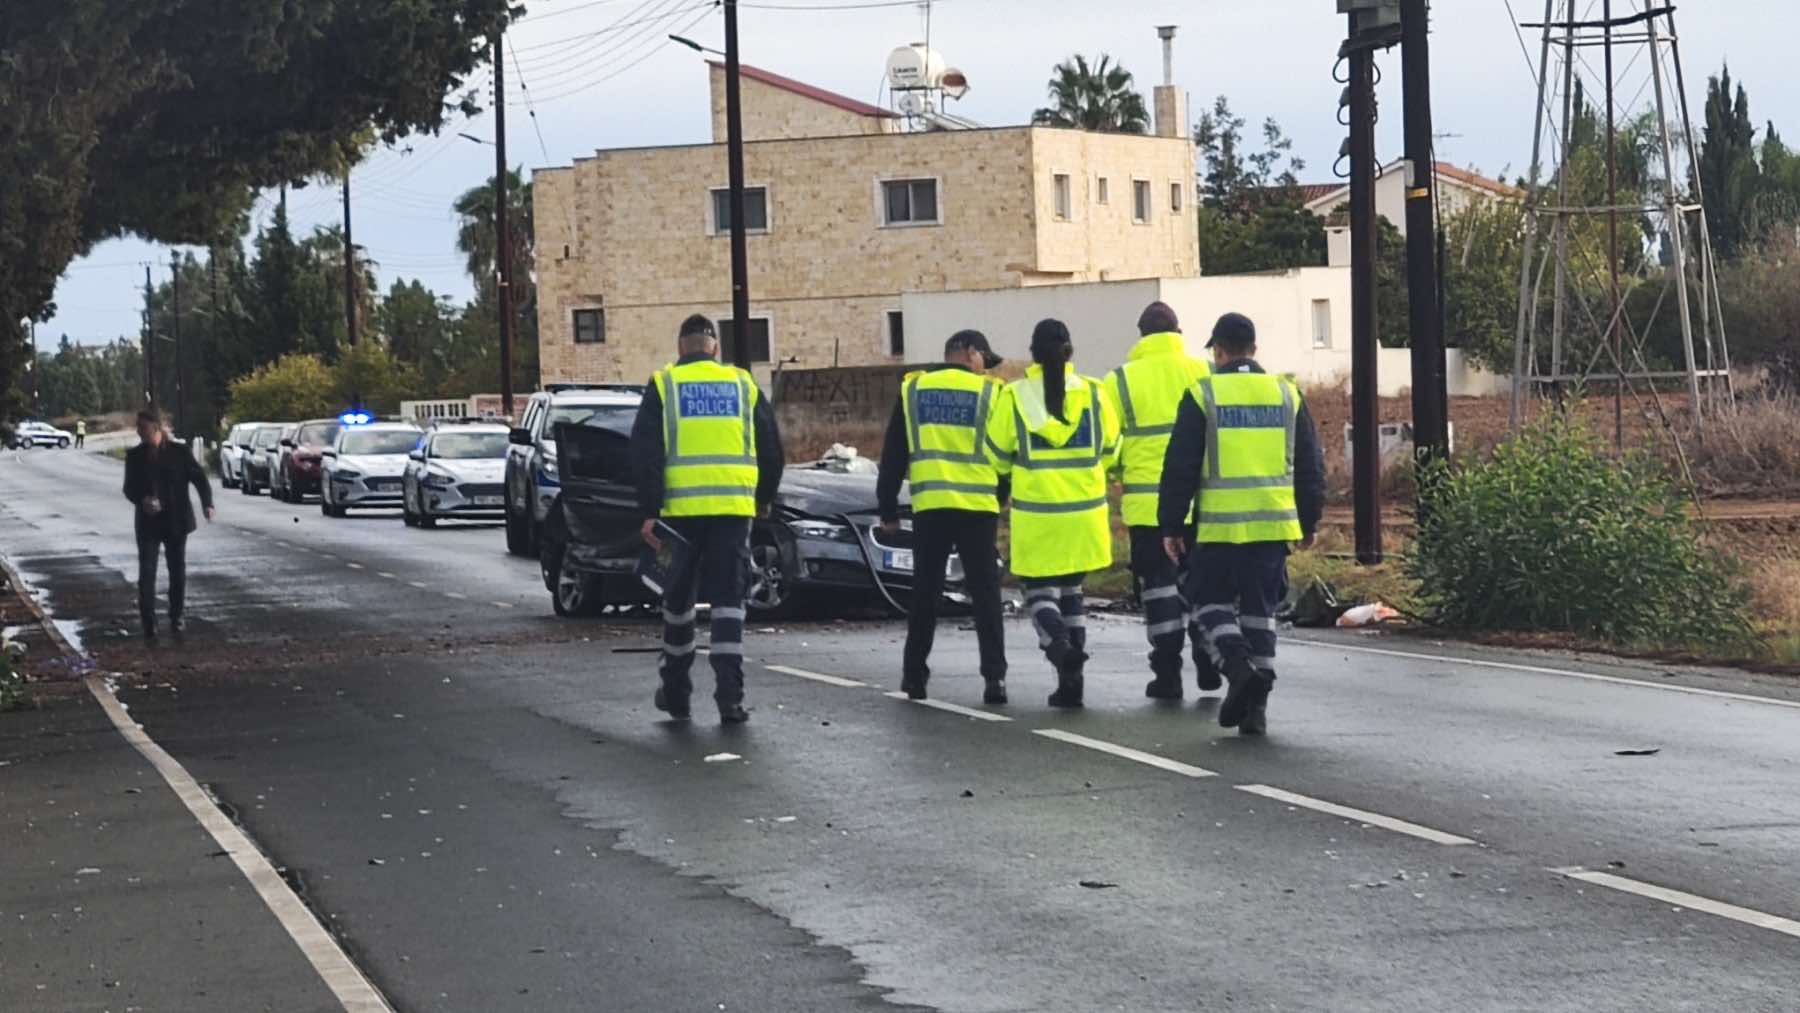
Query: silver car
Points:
[456, 471]
[232, 451]
[364, 466]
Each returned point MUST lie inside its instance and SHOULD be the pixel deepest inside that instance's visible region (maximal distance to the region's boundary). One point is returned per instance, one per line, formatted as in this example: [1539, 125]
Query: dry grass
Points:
[1775, 581]
[1749, 449]
[1332, 560]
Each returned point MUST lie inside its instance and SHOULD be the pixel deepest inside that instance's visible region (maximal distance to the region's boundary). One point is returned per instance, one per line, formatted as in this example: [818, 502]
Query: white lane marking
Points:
[967, 712]
[384, 573]
[416, 583]
[1149, 759]
[502, 604]
[356, 566]
[1680, 898]
[1360, 815]
[1540, 670]
[352, 989]
[458, 595]
[829, 680]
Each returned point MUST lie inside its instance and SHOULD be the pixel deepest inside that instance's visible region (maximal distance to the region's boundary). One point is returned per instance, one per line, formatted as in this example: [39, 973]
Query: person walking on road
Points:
[1145, 393]
[1056, 435]
[936, 441]
[80, 433]
[1244, 461]
[707, 459]
[158, 472]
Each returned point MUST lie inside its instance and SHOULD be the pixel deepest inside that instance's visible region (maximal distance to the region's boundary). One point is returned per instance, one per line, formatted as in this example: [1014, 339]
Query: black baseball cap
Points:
[698, 324]
[1235, 331]
[962, 341]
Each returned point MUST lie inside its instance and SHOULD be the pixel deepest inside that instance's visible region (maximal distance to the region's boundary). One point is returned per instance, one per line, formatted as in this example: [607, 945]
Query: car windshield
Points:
[605, 416]
[317, 434]
[380, 441]
[469, 446]
[266, 438]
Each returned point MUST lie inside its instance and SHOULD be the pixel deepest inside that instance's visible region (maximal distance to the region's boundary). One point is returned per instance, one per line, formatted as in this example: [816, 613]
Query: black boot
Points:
[1248, 692]
[733, 714]
[995, 692]
[176, 625]
[913, 686]
[1166, 686]
[670, 704]
[1206, 674]
[1069, 680]
[149, 627]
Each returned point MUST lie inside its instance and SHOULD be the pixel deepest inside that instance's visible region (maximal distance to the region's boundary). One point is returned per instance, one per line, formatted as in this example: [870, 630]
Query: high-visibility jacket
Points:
[709, 440]
[948, 466]
[1146, 392]
[1247, 484]
[1059, 518]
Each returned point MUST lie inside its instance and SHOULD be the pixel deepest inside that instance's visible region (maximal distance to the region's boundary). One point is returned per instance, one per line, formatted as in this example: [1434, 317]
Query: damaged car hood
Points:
[828, 493]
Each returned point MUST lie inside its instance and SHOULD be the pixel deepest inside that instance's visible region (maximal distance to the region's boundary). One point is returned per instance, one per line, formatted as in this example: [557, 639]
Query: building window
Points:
[757, 333]
[590, 327]
[896, 333]
[756, 210]
[1175, 197]
[910, 202]
[1064, 199]
[1321, 323]
[1103, 191]
[1140, 200]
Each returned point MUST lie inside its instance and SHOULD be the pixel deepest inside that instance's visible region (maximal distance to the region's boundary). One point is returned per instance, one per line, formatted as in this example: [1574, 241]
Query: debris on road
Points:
[1652, 751]
[1099, 884]
[1366, 615]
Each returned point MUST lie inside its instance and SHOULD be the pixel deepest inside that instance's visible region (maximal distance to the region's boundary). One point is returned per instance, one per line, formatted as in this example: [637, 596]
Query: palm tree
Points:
[475, 237]
[1099, 97]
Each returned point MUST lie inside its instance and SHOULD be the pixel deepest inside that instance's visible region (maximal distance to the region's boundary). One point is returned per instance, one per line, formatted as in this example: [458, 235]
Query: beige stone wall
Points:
[772, 113]
[1103, 242]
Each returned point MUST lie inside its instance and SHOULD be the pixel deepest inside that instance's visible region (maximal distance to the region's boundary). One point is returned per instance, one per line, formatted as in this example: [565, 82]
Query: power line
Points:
[608, 30]
[589, 60]
[653, 49]
[530, 109]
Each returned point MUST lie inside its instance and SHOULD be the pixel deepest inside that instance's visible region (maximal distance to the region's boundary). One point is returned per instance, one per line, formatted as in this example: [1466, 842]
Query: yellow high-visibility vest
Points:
[946, 413]
[1247, 485]
[1059, 520]
[709, 440]
[1146, 392]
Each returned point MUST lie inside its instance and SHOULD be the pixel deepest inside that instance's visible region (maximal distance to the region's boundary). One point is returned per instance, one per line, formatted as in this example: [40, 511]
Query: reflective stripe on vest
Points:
[1247, 490]
[946, 414]
[709, 440]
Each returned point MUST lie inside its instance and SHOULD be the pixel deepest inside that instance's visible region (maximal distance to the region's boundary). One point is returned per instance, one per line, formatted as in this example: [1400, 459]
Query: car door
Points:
[518, 461]
[599, 499]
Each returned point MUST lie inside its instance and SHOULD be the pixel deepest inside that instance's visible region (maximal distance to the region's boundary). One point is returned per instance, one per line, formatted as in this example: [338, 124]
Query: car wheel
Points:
[406, 512]
[515, 534]
[62, 444]
[575, 595]
[771, 589]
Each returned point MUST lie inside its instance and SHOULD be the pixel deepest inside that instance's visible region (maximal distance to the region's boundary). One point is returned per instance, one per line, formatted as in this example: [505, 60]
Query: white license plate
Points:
[897, 559]
[490, 501]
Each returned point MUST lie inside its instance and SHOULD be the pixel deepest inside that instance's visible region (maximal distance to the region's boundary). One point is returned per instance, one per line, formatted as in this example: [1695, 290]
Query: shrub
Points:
[292, 387]
[1551, 534]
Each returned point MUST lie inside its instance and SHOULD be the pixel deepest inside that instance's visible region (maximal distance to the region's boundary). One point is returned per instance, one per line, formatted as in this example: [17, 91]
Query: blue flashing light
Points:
[356, 418]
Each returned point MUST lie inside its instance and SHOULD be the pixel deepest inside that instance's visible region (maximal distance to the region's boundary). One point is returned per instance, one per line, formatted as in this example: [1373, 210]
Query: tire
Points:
[62, 444]
[407, 516]
[575, 595]
[426, 520]
[515, 535]
[771, 592]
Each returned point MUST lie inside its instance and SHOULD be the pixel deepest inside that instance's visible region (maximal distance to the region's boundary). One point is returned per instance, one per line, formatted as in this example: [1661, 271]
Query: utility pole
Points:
[1431, 438]
[349, 265]
[149, 339]
[502, 237]
[180, 361]
[734, 157]
[1374, 25]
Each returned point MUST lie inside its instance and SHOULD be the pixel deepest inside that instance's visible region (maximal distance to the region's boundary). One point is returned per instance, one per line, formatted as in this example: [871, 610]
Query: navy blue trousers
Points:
[1234, 590]
[719, 572]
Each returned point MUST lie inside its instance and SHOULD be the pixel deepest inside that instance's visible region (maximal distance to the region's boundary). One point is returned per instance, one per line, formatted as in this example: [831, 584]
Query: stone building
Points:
[847, 212]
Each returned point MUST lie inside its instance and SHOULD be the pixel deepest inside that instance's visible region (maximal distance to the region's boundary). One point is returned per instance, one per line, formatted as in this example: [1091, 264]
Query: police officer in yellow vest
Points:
[1145, 392]
[1245, 456]
[936, 439]
[1056, 434]
[707, 459]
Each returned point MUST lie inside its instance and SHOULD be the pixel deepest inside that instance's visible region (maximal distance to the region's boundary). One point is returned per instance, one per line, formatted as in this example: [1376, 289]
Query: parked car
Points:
[298, 459]
[822, 539]
[41, 434]
[455, 471]
[231, 453]
[364, 465]
[255, 463]
[531, 477]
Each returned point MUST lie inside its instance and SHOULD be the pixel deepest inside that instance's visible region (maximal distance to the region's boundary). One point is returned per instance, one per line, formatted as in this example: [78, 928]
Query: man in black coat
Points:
[157, 473]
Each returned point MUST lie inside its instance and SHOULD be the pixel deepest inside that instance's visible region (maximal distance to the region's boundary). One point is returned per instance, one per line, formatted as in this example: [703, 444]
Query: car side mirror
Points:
[416, 454]
[519, 437]
[328, 453]
[287, 443]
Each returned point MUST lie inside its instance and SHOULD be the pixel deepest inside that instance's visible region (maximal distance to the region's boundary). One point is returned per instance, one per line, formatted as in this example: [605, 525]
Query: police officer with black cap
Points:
[1244, 461]
[937, 440]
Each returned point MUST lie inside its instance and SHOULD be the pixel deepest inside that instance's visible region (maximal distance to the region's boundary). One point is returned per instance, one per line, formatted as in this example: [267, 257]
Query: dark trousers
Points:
[971, 534]
[1058, 613]
[716, 571]
[1168, 620]
[175, 546]
[1234, 590]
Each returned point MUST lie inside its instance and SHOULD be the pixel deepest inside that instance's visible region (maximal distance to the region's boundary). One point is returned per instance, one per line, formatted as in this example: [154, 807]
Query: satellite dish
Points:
[954, 83]
[911, 103]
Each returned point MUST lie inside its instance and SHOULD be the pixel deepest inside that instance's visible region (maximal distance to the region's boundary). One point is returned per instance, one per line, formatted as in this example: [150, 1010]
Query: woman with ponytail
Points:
[1057, 437]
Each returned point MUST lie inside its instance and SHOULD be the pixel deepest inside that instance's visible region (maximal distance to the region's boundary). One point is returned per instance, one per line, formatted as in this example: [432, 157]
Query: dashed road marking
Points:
[1398, 826]
[356, 566]
[384, 573]
[416, 583]
[829, 680]
[1681, 898]
[502, 604]
[1542, 670]
[458, 595]
[1125, 752]
[967, 712]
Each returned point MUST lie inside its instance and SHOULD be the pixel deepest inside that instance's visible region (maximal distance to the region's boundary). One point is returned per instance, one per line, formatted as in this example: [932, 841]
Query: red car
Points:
[298, 473]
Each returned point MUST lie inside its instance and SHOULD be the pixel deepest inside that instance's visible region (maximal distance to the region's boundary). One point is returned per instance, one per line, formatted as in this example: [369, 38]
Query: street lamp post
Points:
[734, 161]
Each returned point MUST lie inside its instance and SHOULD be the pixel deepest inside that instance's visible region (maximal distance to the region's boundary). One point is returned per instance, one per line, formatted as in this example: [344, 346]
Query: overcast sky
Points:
[602, 74]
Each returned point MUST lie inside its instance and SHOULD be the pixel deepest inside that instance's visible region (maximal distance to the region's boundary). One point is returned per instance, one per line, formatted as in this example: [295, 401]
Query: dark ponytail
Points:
[1051, 348]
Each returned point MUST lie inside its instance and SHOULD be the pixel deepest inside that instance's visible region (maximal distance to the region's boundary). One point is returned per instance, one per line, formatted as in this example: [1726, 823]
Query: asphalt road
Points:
[481, 803]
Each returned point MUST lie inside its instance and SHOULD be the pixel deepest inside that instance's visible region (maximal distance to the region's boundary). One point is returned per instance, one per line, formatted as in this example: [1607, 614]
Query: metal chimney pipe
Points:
[1167, 34]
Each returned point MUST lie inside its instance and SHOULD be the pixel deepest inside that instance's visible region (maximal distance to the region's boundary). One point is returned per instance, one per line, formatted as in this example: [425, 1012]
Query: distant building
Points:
[849, 212]
[1457, 189]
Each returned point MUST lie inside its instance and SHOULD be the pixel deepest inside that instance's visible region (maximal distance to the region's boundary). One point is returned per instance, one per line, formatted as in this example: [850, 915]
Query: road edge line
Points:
[334, 967]
[1683, 899]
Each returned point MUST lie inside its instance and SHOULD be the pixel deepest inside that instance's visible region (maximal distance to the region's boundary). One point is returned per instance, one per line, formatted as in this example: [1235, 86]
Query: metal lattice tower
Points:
[1574, 235]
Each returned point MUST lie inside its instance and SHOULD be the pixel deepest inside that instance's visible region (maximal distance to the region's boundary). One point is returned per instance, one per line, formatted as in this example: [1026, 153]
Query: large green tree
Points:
[1251, 218]
[161, 118]
[1097, 96]
[1727, 166]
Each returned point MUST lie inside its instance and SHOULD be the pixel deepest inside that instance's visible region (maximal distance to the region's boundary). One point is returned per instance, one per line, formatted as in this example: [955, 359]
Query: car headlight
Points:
[439, 479]
[346, 474]
[825, 531]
